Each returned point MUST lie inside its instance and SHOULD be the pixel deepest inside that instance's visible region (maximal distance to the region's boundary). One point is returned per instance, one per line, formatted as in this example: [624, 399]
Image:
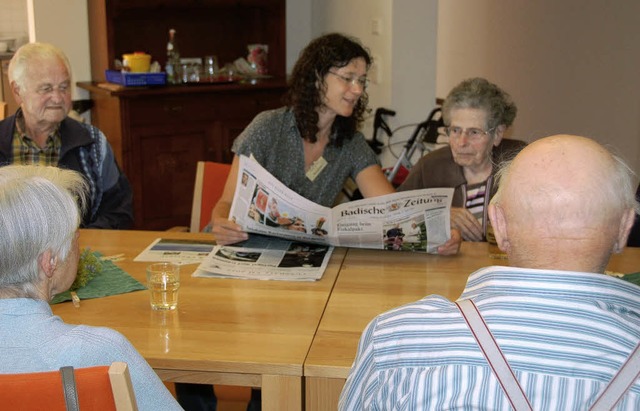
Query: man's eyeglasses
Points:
[46, 89]
[353, 80]
[471, 132]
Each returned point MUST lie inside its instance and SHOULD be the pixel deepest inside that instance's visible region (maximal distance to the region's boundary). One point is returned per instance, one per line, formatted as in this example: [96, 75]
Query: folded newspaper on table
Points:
[417, 220]
[267, 258]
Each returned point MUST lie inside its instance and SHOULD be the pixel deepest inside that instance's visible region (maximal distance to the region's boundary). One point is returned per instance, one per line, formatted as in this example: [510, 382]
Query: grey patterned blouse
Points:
[275, 142]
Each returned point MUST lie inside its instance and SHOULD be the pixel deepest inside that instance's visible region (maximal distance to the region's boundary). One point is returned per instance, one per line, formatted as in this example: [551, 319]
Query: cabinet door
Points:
[164, 175]
[225, 133]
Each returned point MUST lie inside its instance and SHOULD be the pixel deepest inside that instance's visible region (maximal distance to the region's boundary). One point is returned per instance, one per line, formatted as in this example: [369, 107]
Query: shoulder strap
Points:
[491, 351]
[608, 398]
[69, 387]
[620, 383]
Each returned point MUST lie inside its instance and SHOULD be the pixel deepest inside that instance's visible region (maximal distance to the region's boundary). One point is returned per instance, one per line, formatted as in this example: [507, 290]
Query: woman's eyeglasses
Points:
[353, 80]
[471, 132]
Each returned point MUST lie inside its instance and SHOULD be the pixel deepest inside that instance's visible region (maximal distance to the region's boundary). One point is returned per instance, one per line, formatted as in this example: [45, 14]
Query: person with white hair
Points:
[41, 132]
[477, 115]
[561, 330]
[40, 209]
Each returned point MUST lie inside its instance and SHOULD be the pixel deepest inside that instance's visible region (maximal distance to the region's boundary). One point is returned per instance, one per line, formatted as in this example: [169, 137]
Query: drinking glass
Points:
[163, 281]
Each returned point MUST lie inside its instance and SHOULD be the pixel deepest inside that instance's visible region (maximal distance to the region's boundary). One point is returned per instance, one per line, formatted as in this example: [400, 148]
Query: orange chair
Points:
[210, 180]
[102, 388]
[4, 108]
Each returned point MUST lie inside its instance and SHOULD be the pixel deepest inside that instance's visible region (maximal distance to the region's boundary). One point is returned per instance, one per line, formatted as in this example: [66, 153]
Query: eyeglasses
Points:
[471, 132]
[47, 89]
[353, 80]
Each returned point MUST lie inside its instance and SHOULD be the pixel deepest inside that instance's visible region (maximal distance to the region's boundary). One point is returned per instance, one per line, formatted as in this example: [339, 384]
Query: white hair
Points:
[40, 210]
[619, 191]
[26, 55]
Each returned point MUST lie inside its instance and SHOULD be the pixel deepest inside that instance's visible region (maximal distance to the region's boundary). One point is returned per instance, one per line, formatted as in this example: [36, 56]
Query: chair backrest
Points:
[98, 388]
[4, 108]
[210, 180]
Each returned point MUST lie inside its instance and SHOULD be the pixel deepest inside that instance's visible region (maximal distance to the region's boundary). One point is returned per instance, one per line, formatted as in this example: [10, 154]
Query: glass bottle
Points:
[172, 67]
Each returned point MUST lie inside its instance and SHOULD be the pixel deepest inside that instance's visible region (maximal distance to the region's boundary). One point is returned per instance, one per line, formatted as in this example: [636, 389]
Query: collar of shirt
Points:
[26, 151]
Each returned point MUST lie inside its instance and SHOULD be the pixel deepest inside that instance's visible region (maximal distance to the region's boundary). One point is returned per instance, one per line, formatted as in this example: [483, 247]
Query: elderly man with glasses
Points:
[477, 114]
[41, 132]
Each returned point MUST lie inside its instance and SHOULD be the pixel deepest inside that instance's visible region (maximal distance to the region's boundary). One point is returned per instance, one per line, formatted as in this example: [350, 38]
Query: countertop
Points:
[118, 90]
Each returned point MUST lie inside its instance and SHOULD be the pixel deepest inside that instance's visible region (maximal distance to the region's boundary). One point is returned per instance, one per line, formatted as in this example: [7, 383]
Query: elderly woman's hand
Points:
[227, 232]
[452, 245]
[463, 220]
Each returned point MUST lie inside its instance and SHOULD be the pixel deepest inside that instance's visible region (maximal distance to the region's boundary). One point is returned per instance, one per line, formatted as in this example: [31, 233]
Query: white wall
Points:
[63, 23]
[404, 52]
[298, 29]
[572, 66]
[13, 20]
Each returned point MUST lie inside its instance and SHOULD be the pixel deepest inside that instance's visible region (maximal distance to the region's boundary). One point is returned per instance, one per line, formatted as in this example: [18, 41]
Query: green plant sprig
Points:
[89, 266]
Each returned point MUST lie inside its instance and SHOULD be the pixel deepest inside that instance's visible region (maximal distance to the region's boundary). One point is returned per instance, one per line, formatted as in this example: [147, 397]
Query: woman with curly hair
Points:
[312, 145]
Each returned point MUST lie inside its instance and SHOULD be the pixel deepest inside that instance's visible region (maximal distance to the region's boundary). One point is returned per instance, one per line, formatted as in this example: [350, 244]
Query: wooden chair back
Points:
[210, 180]
[4, 108]
[101, 388]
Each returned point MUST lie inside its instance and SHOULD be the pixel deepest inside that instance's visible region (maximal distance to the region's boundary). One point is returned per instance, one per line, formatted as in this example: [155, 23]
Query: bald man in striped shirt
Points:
[563, 328]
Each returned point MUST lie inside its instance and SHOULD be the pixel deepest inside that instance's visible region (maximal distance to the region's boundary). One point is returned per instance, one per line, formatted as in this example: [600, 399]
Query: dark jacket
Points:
[437, 169]
[86, 150]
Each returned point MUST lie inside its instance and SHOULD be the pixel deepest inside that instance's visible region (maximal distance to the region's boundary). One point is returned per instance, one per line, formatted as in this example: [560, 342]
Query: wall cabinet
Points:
[160, 133]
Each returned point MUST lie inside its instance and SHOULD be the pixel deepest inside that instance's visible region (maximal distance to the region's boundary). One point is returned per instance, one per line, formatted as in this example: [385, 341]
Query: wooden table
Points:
[225, 331]
[371, 282]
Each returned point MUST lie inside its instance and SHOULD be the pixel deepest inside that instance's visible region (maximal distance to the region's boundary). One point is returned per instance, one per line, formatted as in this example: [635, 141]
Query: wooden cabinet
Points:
[159, 133]
[223, 28]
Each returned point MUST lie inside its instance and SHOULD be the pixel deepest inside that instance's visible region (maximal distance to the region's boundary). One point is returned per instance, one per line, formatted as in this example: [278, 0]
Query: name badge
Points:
[316, 168]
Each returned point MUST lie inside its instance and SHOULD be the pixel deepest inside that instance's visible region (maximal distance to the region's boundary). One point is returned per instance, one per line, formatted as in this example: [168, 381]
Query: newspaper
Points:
[176, 251]
[267, 258]
[417, 220]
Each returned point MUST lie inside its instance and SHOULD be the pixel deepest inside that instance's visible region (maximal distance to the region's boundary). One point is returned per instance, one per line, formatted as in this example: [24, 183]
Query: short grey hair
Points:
[40, 210]
[26, 54]
[479, 93]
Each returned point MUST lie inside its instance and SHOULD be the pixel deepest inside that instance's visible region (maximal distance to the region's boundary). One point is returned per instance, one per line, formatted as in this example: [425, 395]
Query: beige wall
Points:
[572, 66]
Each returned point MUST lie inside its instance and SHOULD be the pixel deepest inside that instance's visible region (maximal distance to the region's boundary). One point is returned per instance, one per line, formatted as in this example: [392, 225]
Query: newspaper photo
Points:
[417, 220]
[267, 258]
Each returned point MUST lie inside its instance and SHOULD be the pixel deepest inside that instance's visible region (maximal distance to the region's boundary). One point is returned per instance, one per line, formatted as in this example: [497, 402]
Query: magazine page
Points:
[416, 220]
[262, 204]
[267, 258]
[176, 251]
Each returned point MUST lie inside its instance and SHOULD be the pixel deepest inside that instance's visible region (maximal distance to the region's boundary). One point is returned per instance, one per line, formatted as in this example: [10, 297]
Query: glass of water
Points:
[163, 282]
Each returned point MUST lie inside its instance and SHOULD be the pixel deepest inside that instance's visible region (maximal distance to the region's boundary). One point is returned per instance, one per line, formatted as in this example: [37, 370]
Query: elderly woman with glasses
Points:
[312, 144]
[477, 114]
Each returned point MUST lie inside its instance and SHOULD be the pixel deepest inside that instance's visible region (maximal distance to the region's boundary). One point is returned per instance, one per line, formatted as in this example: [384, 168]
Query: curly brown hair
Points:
[304, 96]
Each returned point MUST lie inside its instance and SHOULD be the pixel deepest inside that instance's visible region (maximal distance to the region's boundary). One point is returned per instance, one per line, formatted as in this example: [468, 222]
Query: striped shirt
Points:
[475, 200]
[565, 334]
